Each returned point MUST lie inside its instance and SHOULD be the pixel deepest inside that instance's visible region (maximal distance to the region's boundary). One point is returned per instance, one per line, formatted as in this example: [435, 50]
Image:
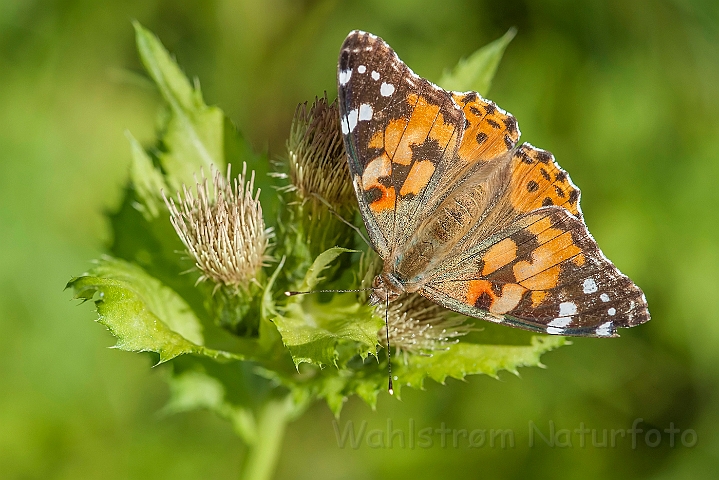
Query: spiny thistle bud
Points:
[419, 326]
[317, 158]
[320, 198]
[222, 228]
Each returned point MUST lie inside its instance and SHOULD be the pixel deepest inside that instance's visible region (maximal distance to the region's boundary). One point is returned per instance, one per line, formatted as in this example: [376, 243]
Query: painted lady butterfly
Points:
[463, 215]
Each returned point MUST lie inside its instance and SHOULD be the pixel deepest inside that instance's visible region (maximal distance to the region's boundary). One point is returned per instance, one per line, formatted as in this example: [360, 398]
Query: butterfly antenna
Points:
[389, 350]
[334, 212]
[292, 293]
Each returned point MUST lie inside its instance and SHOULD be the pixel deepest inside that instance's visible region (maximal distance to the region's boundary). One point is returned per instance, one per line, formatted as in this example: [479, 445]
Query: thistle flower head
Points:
[419, 326]
[222, 228]
[317, 158]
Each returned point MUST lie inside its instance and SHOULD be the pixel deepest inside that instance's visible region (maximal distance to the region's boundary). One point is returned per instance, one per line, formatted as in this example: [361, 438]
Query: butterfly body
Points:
[465, 216]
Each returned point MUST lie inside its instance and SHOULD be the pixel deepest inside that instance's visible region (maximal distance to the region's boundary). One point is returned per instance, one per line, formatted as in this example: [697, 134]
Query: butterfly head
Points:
[385, 287]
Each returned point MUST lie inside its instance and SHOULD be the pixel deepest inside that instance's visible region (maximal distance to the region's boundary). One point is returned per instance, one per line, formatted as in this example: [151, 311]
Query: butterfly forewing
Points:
[401, 132]
[489, 132]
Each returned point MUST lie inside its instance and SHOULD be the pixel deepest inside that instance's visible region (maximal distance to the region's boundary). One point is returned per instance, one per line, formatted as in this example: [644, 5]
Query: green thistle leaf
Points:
[193, 133]
[144, 314]
[147, 180]
[323, 261]
[311, 329]
[502, 351]
[462, 359]
[477, 71]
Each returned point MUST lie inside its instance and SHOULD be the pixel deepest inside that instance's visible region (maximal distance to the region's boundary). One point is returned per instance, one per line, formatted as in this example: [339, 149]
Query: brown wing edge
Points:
[602, 331]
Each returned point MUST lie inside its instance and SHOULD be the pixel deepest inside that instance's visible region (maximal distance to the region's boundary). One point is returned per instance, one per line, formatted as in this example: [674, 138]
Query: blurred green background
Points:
[623, 92]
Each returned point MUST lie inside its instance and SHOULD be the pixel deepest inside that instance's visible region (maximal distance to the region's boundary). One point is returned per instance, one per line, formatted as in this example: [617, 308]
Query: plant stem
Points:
[262, 456]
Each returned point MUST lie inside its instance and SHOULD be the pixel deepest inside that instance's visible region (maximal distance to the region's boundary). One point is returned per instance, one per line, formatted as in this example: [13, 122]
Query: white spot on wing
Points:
[567, 308]
[590, 286]
[604, 297]
[345, 76]
[345, 126]
[375, 75]
[361, 69]
[604, 330]
[554, 331]
[560, 322]
[352, 120]
[386, 89]
[365, 112]
[612, 311]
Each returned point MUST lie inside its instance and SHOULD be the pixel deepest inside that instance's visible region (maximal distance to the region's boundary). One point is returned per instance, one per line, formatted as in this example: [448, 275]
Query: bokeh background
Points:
[623, 92]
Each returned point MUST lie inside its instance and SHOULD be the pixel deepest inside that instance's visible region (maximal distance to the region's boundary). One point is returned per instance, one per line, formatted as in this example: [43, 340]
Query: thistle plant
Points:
[418, 326]
[189, 279]
[222, 229]
[318, 196]
[316, 156]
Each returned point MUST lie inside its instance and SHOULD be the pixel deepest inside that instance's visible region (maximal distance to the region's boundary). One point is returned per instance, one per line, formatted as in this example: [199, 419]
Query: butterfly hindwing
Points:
[544, 273]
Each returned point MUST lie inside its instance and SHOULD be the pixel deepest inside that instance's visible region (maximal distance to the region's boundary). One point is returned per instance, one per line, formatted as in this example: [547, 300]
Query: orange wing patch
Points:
[485, 295]
[538, 297]
[537, 181]
[392, 136]
[489, 131]
[418, 178]
[499, 255]
[541, 272]
[383, 200]
[380, 197]
[425, 122]
[377, 140]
